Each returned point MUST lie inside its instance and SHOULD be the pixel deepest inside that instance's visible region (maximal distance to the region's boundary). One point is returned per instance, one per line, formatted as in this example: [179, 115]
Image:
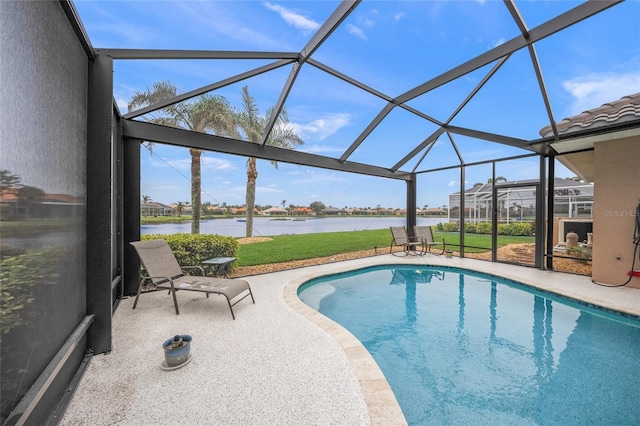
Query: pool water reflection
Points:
[459, 347]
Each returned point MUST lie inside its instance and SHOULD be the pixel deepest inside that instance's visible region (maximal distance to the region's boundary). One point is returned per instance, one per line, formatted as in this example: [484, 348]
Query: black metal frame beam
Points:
[99, 206]
[329, 26]
[179, 137]
[209, 88]
[567, 19]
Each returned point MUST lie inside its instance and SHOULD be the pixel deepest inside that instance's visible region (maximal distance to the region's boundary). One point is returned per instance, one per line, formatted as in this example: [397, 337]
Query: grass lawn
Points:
[285, 248]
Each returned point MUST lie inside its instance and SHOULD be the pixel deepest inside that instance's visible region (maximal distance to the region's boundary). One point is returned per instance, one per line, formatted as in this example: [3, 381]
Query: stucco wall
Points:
[616, 197]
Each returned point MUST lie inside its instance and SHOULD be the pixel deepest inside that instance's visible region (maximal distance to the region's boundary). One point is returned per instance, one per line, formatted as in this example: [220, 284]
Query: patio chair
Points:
[401, 239]
[425, 235]
[165, 273]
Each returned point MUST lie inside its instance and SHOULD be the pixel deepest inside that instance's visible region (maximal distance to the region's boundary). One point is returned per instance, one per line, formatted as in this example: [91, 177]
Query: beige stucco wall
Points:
[616, 197]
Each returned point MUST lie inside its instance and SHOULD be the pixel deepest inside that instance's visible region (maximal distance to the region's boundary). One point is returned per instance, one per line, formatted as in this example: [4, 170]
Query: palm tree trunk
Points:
[196, 185]
[252, 175]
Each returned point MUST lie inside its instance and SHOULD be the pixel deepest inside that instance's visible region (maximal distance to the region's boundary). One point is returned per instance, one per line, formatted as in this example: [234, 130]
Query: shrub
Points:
[192, 249]
[19, 277]
[470, 228]
[483, 228]
[450, 227]
[515, 229]
[503, 229]
[440, 227]
[521, 228]
[581, 252]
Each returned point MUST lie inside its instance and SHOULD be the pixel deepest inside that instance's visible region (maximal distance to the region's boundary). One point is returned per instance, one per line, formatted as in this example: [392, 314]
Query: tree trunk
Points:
[252, 175]
[196, 185]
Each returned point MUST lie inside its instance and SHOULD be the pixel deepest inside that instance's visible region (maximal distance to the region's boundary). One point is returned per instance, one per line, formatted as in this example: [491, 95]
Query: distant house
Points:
[275, 211]
[243, 211]
[360, 212]
[46, 206]
[153, 208]
[302, 211]
[403, 212]
[333, 211]
[432, 211]
[572, 199]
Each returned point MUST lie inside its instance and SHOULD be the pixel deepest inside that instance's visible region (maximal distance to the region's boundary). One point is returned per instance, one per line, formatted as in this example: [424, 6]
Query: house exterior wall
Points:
[616, 197]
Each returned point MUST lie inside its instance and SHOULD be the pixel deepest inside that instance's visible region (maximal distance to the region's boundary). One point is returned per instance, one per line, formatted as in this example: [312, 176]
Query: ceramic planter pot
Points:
[176, 350]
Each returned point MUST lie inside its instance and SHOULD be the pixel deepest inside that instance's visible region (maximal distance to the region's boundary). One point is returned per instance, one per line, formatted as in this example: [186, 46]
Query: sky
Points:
[391, 46]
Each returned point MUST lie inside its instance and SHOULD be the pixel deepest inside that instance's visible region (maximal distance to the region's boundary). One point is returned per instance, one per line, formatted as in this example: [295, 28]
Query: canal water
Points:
[264, 226]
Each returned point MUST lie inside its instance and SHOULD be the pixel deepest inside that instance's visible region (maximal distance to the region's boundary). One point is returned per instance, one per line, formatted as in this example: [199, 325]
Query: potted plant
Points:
[177, 350]
[449, 253]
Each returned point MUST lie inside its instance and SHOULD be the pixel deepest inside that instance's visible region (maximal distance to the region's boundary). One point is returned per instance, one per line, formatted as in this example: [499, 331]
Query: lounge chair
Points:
[425, 235]
[401, 239]
[165, 273]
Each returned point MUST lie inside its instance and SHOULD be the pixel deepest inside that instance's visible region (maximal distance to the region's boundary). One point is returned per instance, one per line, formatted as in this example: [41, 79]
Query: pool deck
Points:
[279, 362]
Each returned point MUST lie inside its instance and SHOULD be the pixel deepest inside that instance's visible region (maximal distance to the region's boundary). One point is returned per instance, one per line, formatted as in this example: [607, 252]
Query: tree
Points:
[498, 179]
[146, 199]
[29, 196]
[179, 207]
[252, 125]
[317, 207]
[204, 114]
[8, 180]
[284, 203]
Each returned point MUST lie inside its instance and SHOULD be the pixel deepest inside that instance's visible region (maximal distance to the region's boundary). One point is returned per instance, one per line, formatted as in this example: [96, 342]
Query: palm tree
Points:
[498, 179]
[179, 207]
[252, 125]
[146, 199]
[204, 114]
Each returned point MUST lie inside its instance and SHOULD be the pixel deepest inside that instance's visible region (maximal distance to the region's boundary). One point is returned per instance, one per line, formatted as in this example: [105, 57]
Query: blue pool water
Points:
[461, 348]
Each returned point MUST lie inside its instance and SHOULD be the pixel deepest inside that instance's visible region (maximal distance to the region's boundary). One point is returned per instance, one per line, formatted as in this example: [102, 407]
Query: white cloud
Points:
[595, 89]
[399, 16]
[271, 189]
[313, 177]
[293, 18]
[123, 105]
[367, 22]
[322, 128]
[358, 32]
[214, 164]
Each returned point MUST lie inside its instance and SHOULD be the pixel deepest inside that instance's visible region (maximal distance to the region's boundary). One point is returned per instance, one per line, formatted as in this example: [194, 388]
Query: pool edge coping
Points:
[381, 402]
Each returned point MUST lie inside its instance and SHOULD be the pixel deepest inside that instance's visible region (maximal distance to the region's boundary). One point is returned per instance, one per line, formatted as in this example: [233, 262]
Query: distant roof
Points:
[558, 183]
[626, 108]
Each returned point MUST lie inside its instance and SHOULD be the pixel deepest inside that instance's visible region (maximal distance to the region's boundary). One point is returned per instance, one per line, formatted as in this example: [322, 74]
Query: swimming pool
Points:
[460, 347]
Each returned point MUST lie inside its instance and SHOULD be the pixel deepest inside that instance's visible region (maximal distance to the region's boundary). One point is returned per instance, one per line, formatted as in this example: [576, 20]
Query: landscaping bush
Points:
[516, 228]
[19, 276]
[450, 227]
[483, 228]
[192, 249]
[470, 228]
[503, 229]
[513, 229]
[580, 252]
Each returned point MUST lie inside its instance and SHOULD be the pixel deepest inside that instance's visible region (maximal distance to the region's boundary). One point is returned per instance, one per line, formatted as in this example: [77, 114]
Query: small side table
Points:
[218, 264]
